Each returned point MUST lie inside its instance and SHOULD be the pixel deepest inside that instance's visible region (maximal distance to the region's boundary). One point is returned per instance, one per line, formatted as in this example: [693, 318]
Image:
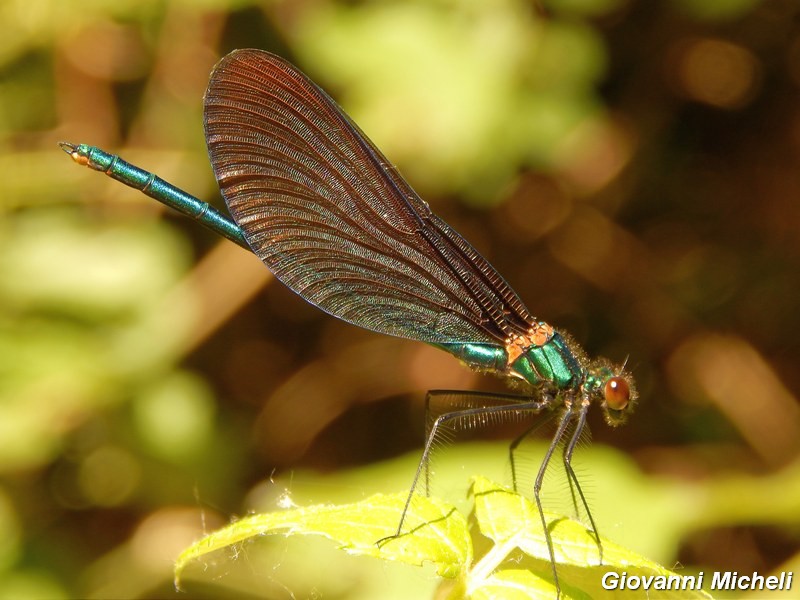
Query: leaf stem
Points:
[489, 564]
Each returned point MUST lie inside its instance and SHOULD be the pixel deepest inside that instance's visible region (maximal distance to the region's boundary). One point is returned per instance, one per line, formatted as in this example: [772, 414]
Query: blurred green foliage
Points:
[631, 168]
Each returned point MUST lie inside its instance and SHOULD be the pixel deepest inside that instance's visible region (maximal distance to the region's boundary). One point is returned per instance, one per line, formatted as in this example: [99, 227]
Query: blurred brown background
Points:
[631, 168]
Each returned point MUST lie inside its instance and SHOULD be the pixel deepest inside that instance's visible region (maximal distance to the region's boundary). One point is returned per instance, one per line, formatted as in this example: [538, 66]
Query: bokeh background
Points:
[632, 168]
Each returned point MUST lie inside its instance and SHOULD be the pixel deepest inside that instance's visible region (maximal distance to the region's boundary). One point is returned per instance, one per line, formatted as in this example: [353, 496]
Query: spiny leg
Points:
[512, 447]
[573, 478]
[563, 425]
[512, 401]
[444, 420]
[456, 400]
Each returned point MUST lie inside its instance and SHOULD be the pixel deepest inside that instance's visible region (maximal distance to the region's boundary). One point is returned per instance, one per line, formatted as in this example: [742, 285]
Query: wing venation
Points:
[334, 220]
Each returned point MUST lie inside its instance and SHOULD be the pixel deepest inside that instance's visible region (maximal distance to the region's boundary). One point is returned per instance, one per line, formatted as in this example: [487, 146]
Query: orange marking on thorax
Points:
[538, 335]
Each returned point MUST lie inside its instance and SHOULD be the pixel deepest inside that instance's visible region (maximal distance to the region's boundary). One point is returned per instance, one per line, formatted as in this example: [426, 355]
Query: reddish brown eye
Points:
[617, 393]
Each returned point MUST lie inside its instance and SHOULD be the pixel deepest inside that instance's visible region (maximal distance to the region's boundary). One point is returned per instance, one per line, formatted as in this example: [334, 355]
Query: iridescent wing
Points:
[334, 220]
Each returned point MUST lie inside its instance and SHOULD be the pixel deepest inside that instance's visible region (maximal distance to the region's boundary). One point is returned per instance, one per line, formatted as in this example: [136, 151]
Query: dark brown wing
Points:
[335, 221]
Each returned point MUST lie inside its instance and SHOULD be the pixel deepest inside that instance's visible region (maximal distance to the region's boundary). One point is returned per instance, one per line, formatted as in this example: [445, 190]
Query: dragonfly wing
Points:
[334, 220]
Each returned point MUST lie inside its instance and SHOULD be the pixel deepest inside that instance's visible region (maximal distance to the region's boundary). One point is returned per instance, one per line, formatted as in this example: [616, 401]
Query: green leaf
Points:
[512, 522]
[438, 533]
[514, 584]
[513, 563]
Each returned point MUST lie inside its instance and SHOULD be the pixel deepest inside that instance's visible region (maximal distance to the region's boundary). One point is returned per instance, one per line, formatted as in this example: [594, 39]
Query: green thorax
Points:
[552, 364]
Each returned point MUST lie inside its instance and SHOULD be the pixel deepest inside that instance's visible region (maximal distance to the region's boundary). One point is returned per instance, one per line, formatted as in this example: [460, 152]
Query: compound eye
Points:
[617, 393]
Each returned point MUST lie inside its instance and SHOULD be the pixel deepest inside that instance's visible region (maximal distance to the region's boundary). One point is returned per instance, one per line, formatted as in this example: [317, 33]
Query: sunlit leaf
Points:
[512, 521]
[438, 533]
[514, 584]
